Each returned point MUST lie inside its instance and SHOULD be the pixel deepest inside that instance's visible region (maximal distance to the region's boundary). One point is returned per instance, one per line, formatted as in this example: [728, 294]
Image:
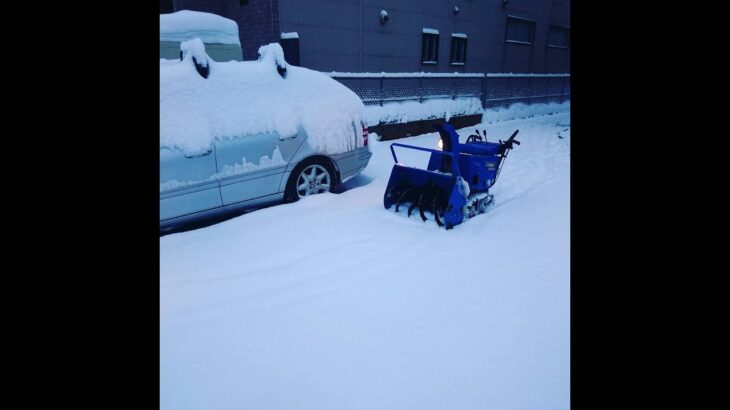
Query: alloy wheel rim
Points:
[313, 179]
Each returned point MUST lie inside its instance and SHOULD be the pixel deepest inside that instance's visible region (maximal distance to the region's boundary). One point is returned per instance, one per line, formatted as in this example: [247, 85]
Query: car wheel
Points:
[311, 178]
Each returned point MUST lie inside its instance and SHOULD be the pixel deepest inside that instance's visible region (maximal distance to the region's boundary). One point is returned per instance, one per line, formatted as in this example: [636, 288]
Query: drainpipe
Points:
[362, 17]
[271, 10]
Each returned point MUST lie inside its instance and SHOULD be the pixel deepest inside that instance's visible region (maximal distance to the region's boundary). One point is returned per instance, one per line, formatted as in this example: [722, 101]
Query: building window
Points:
[166, 6]
[558, 37]
[243, 2]
[458, 49]
[430, 46]
[290, 44]
[520, 30]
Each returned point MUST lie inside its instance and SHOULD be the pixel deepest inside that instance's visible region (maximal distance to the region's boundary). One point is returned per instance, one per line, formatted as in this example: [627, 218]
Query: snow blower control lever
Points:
[507, 145]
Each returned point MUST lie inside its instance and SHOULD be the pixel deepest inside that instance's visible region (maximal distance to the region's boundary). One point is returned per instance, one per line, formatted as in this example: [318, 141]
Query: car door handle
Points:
[199, 154]
[291, 137]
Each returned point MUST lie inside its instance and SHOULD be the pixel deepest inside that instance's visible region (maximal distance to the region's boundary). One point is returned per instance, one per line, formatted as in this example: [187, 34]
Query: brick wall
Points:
[258, 23]
[208, 6]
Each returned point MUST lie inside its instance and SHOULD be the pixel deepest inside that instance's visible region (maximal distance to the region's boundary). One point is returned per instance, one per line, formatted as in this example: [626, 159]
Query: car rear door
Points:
[188, 182]
[251, 166]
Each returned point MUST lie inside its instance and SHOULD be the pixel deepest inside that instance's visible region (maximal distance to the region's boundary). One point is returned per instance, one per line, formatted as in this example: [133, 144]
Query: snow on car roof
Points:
[210, 28]
[250, 97]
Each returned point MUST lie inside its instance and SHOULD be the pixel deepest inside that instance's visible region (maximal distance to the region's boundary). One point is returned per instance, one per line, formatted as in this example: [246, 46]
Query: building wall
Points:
[346, 35]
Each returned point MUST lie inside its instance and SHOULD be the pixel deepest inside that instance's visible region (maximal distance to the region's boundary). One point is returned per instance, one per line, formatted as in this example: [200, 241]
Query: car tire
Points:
[316, 171]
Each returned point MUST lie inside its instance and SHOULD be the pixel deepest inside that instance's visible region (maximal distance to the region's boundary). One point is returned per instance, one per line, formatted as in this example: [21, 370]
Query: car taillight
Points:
[364, 135]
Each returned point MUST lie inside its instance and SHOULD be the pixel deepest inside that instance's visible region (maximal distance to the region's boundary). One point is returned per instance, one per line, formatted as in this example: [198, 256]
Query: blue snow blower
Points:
[456, 183]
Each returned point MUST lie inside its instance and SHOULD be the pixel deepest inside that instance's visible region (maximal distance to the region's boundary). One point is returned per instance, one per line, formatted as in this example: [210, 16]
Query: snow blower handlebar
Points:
[508, 145]
[454, 164]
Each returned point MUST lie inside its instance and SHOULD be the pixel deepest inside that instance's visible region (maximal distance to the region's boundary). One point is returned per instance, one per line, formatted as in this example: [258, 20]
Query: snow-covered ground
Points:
[335, 303]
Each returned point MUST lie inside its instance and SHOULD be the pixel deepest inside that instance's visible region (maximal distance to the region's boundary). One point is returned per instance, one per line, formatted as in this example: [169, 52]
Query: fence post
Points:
[453, 88]
[381, 90]
[509, 88]
[484, 91]
[420, 89]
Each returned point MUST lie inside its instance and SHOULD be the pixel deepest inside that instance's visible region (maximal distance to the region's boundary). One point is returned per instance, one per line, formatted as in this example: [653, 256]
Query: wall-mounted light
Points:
[383, 17]
[456, 10]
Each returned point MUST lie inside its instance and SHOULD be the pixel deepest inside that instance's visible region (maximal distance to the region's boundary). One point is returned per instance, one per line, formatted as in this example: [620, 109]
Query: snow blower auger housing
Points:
[455, 185]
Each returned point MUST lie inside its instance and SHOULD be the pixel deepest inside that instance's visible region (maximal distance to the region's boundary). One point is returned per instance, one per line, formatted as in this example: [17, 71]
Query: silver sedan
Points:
[222, 179]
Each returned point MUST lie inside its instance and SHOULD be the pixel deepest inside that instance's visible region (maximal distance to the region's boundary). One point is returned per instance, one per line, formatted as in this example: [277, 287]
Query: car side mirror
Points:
[204, 71]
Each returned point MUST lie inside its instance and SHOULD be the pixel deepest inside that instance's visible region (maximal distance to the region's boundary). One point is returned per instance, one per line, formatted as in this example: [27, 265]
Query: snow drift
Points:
[447, 108]
[416, 111]
[522, 110]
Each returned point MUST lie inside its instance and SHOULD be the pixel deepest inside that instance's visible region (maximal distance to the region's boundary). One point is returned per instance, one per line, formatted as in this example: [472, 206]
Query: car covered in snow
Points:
[239, 135]
[219, 34]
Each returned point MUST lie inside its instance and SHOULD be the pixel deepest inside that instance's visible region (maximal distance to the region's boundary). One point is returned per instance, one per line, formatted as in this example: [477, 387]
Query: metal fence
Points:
[494, 90]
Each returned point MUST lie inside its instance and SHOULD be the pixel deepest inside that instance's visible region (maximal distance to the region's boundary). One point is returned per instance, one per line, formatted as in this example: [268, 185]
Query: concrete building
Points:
[496, 36]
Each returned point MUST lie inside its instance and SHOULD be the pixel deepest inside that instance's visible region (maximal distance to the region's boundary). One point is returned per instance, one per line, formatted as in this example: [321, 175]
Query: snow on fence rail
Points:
[336, 74]
[493, 89]
[423, 74]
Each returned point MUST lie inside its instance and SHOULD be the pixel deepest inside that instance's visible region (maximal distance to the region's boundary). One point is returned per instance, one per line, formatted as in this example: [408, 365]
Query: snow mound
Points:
[447, 108]
[522, 110]
[196, 49]
[416, 111]
[211, 28]
[242, 98]
[273, 55]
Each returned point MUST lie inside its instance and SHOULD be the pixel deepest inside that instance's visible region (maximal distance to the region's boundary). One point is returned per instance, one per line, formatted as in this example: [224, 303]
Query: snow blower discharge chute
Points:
[455, 185]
